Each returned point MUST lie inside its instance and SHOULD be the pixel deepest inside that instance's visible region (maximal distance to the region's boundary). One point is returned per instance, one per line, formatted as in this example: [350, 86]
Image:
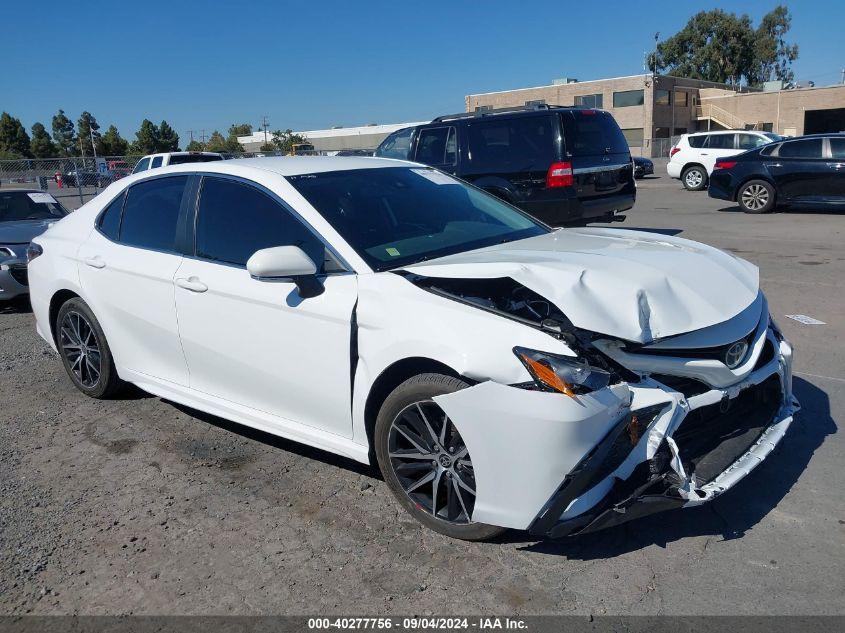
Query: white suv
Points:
[693, 158]
[153, 161]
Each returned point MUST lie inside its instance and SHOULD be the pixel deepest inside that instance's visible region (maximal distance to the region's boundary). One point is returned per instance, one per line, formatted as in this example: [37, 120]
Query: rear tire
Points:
[424, 460]
[694, 178]
[756, 196]
[84, 350]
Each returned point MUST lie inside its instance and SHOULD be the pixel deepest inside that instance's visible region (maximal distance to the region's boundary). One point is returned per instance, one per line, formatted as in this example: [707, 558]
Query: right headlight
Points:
[563, 374]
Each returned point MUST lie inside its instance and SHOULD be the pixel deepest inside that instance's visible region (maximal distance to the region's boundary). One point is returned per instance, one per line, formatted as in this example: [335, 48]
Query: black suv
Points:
[563, 165]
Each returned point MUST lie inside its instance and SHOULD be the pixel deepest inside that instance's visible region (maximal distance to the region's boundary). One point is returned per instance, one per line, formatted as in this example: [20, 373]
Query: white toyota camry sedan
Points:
[501, 374]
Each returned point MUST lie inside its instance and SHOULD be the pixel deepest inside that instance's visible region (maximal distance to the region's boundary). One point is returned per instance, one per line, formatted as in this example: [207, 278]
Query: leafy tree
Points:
[268, 147]
[64, 134]
[14, 141]
[284, 141]
[112, 143]
[88, 128]
[216, 143]
[41, 145]
[242, 129]
[772, 54]
[168, 139]
[726, 48]
[195, 146]
[146, 138]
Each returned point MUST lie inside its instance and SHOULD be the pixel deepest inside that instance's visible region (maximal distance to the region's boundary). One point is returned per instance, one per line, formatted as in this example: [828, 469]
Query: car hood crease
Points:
[632, 285]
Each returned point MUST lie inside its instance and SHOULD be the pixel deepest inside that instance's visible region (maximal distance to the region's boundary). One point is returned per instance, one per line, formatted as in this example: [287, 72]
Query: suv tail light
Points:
[560, 175]
[674, 151]
[724, 164]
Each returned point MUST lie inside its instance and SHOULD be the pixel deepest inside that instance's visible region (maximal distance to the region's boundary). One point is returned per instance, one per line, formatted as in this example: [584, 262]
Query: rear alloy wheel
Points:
[424, 460]
[694, 178]
[756, 196]
[84, 350]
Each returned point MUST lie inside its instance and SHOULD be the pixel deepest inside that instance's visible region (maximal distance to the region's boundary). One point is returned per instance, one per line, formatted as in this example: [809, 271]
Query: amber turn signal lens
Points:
[547, 376]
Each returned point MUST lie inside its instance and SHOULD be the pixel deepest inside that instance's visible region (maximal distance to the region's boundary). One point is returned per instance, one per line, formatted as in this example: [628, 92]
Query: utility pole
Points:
[843, 75]
[264, 125]
[191, 132]
[202, 136]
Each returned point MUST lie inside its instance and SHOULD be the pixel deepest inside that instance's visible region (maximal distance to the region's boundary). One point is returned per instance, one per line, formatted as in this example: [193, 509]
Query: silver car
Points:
[24, 214]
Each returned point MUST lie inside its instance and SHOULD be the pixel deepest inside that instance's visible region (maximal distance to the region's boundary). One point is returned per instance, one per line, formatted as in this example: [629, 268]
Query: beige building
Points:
[651, 110]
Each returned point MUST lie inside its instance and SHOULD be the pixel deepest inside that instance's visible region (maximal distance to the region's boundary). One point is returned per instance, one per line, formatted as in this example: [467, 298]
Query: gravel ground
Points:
[140, 506]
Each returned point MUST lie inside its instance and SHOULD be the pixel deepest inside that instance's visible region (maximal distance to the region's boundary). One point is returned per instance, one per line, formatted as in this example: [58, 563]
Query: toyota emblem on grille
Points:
[735, 354]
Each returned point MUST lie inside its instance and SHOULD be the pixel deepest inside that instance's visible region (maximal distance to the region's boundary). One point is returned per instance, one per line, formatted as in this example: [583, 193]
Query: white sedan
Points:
[501, 374]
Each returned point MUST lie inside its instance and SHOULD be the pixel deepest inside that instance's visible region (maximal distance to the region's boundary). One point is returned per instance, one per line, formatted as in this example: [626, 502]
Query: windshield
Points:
[29, 205]
[395, 216]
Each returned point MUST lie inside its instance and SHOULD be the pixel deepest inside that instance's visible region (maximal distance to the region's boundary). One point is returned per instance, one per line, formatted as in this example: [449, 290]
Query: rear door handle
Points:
[191, 283]
[95, 262]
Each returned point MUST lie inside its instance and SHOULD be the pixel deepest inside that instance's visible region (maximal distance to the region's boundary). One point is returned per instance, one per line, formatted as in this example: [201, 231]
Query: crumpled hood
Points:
[22, 231]
[633, 285]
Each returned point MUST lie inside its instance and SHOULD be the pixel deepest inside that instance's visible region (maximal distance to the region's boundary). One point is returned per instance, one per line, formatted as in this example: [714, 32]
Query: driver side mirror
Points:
[286, 262]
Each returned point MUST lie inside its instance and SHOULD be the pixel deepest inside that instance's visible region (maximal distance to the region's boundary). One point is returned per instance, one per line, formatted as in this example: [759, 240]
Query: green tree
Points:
[216, 143]
[41, 145]
[241, 129]
[168, 139]
[726, 48]
[267, 147]
[112, 143]
[195, 146]
[284, 141]
[64, 134]
[146, 138]
[772, 54]
[88, 128]
[14, 141]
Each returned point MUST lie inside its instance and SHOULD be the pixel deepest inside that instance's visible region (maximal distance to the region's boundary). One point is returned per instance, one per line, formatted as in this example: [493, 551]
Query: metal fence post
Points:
[78, 179]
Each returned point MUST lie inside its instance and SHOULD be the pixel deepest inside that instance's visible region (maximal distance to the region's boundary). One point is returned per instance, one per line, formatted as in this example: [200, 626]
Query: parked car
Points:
[154, 161]
[561, 165]
[502, 374]
[24, 214]
[86, 178]
[693, 157]
[807, 171]
[117, 169]
[355, 152]
[642, 167]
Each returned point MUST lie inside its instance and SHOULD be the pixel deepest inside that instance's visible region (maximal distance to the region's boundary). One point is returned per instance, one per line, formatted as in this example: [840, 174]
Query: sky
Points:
[312, 65]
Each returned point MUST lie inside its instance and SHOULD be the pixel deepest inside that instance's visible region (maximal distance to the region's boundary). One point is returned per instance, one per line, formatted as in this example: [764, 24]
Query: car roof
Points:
[728, 132]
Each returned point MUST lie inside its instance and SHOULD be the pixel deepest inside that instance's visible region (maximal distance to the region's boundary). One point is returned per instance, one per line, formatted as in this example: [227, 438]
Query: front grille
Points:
[766, 355]
[713, 353]
[688, 386]
[710, 439]
[19, 274]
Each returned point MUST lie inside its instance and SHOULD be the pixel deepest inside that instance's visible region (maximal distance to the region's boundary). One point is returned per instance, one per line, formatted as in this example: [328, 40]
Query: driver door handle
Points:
[191, 283]
[95, 262]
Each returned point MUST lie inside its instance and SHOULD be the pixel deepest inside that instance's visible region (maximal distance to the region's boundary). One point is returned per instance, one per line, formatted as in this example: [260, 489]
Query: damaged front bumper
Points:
[559, 466]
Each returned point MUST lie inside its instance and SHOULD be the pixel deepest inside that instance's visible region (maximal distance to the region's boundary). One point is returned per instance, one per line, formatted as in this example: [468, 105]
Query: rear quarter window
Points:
[512, 145]
[696, 141]
[593, 133]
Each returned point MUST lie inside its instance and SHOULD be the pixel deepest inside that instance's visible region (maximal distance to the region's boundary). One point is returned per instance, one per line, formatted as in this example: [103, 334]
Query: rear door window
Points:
[593, 133]
[151, 213]
[805, 148]
[720, 141]
[437, 146]
[512, 145]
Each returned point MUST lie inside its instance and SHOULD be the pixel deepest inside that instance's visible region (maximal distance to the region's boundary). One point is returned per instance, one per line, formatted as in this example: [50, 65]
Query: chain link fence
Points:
[73, 181]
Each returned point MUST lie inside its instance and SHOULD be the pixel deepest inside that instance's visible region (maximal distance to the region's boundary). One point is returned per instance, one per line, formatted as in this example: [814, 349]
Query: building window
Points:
[535, 102]
[628, 98]
[484, 108]
[634, 136]
[682, 99]
[661, 97]
[590, 101]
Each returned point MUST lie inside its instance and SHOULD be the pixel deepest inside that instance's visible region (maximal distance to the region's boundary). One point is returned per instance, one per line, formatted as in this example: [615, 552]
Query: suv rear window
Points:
[592, 133]
[515, 144]
[192, 158]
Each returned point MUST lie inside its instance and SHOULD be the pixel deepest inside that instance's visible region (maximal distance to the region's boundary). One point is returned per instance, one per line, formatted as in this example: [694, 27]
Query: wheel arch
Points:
[59, 298]
[390, 378]
[693, 164]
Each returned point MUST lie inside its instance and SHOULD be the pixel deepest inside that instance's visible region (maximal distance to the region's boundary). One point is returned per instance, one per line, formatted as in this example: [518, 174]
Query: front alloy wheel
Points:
[431, 462]
[425, 461]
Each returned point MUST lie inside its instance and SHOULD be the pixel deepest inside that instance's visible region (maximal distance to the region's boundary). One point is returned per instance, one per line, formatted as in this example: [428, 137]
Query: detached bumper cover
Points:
[558, 466]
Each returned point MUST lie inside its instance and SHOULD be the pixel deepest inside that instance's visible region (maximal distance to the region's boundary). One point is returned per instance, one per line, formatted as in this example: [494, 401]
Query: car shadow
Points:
[729, 516]
[279, 442]
[787, 210]
[18, 305]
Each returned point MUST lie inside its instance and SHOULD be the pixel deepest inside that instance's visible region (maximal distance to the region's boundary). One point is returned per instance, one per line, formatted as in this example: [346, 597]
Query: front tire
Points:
[424, 460]
[756, 196]
[84, 350]
[694, 178]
